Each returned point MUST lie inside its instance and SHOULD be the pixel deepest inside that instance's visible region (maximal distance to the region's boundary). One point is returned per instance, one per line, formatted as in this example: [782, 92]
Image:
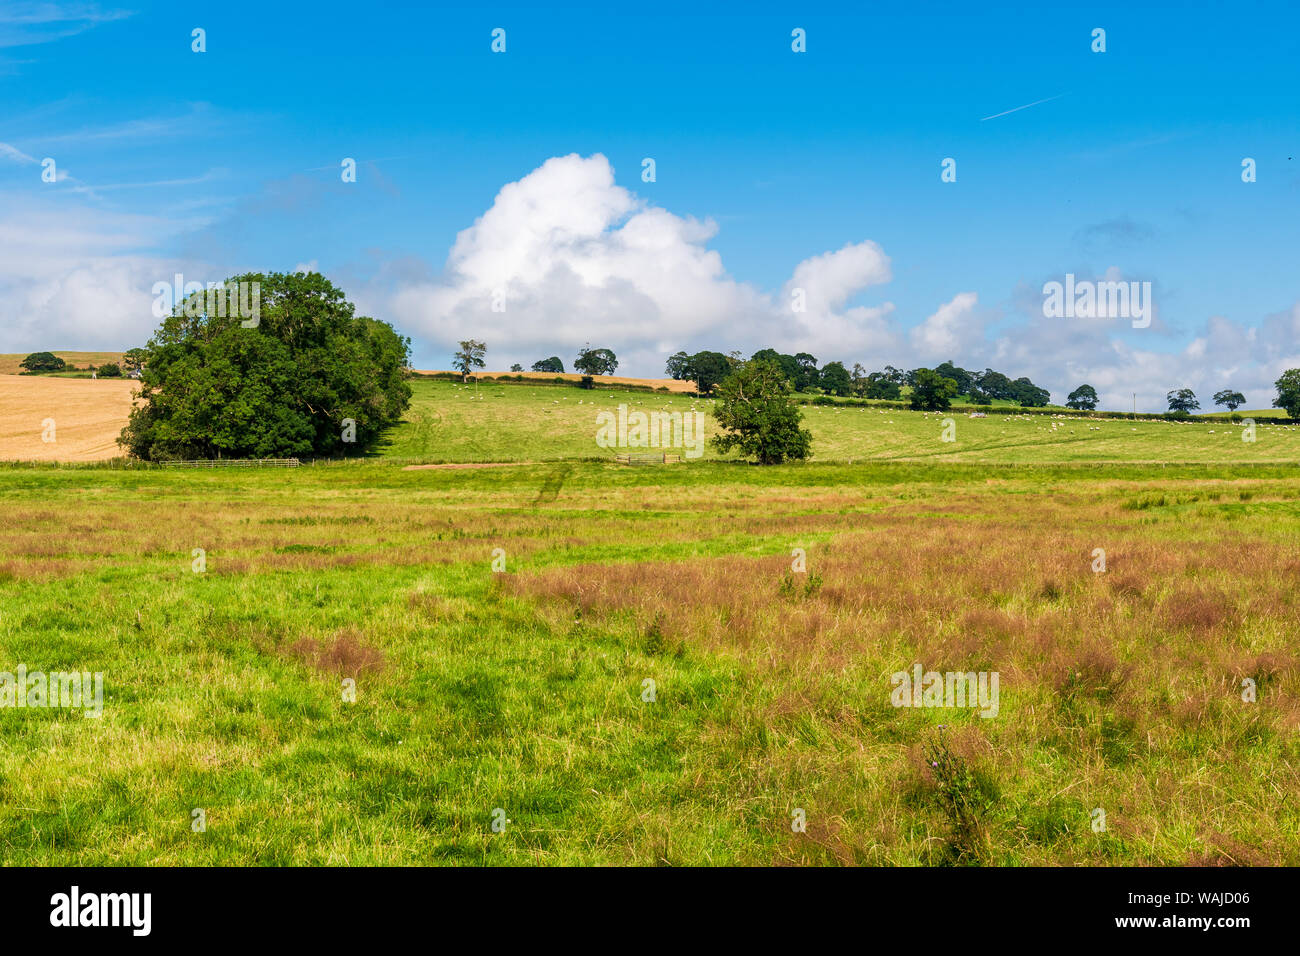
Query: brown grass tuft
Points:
[346, 653]
[1225, 850]
[1199, 610]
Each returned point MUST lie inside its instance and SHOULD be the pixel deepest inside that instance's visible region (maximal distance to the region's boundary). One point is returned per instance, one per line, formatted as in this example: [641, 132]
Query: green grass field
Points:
[524, 690]
[459, 423]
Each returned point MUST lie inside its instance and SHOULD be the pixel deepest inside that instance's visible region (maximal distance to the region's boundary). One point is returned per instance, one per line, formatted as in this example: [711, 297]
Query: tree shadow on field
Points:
[385, 442]
[552, 486]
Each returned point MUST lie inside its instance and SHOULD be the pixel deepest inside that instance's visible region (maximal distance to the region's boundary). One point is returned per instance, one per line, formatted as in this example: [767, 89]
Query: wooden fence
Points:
[238, 463]
[635, 460]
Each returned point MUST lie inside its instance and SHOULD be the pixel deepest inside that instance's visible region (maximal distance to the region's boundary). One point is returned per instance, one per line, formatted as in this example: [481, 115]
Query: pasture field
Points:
[666, 384]
[525, 690]
[448, 422]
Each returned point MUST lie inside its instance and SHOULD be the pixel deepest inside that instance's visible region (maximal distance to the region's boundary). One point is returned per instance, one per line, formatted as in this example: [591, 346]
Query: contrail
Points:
[1025, 107]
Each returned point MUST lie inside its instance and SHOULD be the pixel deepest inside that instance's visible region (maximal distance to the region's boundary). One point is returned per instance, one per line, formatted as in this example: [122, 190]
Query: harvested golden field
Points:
[9, 362]
[87, 415]
[670, 384]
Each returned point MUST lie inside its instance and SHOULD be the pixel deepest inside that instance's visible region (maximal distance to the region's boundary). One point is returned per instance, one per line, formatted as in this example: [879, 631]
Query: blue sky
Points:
[218, 162]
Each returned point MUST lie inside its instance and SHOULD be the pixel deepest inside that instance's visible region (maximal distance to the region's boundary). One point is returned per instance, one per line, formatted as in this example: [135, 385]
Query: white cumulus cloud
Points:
[566, 256]
[950, 332]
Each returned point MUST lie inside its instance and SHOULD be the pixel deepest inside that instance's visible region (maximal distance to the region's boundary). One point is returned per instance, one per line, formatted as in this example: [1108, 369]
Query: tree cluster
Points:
[708, 369]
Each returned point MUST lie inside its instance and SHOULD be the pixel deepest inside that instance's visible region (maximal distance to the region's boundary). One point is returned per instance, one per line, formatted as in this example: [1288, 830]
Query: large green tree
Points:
[757, 416]
[1288, 392]
[707, 369]
[932, 391]
[214, 387]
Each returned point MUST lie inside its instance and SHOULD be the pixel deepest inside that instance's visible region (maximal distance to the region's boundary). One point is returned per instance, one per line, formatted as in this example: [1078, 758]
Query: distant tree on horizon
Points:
[1028, 394]
[134, 359]
[801, 370]
[469, 357]
[595, 361]
[965, 380]
[858, 379]
[834, 379]
[43, 362]
[678, 367]
[788, 364]
[1233, 400]
[931, 391]
[707, 369]
[1084, 397]
[552, 364]
[883, 385]
[806, 374]
[1182, 401]
[995, 385]
[895, 375]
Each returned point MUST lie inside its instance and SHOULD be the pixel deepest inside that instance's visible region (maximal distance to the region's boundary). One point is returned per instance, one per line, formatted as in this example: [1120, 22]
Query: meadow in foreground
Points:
[524, 691]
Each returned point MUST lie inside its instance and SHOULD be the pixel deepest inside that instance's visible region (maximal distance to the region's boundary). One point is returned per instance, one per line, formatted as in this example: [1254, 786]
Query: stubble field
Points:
[11, 362]
[62, 419]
